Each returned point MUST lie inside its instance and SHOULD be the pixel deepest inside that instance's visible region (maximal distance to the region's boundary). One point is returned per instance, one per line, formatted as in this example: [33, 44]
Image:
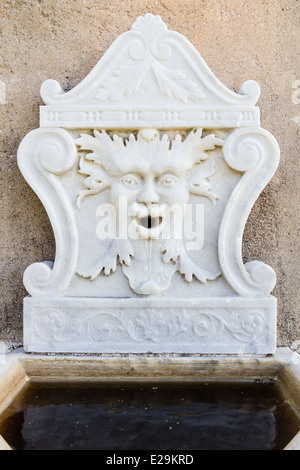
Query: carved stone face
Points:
[148, 172]
[147, 192]
[146, 175]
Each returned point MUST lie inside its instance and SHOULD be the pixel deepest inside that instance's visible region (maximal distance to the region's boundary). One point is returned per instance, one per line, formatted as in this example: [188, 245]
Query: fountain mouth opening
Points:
[150, 222]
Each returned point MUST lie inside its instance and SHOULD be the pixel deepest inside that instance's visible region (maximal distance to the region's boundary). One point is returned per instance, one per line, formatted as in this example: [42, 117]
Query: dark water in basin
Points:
[155, 416]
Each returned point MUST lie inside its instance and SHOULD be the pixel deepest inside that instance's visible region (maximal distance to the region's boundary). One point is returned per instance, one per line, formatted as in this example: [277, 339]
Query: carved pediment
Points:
[150, 76]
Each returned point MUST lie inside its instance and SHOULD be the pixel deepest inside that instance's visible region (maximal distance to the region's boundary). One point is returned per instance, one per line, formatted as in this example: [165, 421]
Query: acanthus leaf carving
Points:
[96, 180]
[199, 181]
[118, 251]
[124, 81]
[146, 52]
[126, 167]
[174, 83]
[189, 269]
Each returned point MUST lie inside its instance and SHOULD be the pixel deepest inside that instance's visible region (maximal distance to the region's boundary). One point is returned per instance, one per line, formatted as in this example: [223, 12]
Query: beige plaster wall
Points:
[64, 39]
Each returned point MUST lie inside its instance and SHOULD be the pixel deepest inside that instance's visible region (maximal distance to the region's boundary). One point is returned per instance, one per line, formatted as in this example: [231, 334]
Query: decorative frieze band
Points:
[166, 117]
[95, 325]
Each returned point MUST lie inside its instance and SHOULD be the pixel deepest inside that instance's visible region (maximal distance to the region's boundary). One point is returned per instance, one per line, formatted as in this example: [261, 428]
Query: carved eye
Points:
[168, 181]
[130, 181]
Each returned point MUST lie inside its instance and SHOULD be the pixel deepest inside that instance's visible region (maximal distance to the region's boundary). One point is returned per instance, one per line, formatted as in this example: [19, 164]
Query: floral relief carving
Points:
[244, 328]
[148, 50]
[152, 326]
[148, 325]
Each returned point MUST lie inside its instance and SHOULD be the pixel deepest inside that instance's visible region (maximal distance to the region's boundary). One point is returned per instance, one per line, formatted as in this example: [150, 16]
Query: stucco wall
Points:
[64, 39]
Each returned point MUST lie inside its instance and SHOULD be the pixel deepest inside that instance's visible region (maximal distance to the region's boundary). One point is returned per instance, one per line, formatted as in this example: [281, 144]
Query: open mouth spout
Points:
[148, 221]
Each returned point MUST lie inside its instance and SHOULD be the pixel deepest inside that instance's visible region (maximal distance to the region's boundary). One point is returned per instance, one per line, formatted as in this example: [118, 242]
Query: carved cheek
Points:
[176, 195]
[118, 191]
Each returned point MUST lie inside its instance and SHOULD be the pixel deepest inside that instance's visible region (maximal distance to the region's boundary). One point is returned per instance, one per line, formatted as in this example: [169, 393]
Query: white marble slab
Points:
[148, 170]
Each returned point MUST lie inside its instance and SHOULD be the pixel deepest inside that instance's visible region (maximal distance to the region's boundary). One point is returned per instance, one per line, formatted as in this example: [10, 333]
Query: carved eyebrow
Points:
[143, 166]
[129, 165]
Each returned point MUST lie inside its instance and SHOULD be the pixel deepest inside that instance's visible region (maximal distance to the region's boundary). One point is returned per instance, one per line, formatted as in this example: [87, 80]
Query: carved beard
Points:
[155, 259]
[147, 273]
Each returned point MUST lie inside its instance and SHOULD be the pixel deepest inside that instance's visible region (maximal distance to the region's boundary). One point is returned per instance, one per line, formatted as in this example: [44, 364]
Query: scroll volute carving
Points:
[43, 155]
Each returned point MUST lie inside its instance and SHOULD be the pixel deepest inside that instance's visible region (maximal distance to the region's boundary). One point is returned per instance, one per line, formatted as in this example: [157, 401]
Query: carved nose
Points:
[148, 195]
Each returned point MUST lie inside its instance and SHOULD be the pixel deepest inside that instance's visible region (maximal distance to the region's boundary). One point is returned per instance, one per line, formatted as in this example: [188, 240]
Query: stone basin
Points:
[20, 368]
